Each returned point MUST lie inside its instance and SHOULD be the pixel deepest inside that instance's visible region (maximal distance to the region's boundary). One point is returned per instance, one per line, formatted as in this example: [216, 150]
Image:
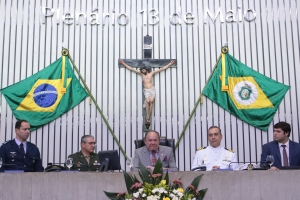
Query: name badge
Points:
[205, 161]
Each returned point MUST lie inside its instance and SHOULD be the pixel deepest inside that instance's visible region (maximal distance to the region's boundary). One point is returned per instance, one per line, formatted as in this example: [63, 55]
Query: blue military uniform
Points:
[14, 159]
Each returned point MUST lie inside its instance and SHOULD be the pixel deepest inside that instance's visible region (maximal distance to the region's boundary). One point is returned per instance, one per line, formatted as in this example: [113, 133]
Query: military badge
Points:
[226, 159]
[250, 166]
[12, 154]
[201, 148]
[232, 151]
[78, 164]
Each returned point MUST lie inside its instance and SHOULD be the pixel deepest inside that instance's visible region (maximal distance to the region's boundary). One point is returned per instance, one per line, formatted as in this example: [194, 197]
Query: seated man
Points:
[86, 159]
[215, 156]
[284, 151]
[149, 154]
[19, 154]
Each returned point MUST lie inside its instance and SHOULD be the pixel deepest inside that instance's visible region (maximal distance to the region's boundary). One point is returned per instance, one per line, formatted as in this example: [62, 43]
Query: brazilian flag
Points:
[46, 95]
[245, 93]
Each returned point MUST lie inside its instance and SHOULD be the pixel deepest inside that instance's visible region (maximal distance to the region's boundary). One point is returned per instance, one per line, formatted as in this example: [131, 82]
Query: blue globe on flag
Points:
[45, 95]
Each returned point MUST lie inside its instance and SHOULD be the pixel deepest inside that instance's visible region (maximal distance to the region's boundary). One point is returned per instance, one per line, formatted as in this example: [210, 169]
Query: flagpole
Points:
[97, 106]
[197, 103]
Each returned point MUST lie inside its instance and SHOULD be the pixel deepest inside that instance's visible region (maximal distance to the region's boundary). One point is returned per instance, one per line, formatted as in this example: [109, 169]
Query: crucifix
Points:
[147, 74]
[149, 89]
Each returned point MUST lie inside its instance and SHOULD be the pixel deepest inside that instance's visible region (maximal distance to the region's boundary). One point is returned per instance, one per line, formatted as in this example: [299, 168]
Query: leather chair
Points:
[163, 141]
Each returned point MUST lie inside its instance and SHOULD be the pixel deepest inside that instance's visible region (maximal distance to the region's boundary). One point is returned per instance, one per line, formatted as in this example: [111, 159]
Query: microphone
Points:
[265, 165]
[104, 165]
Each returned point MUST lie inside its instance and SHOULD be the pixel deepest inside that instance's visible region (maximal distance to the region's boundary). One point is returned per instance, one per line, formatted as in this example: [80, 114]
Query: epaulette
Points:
[232, 151]
[6, 142]
[201, 148]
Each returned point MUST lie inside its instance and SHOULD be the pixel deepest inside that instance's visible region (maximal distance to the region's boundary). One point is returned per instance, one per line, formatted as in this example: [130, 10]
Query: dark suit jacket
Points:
[272, 148]
[80, 163]
[29, 162]
[141, 155]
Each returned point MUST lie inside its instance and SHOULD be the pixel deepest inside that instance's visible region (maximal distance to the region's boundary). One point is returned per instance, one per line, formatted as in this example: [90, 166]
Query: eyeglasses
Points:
[90, 143]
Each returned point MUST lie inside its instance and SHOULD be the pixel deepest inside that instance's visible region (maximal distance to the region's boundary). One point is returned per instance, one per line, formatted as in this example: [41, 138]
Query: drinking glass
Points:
[129, 162]
[69, 163]
[270, 160]
[0, 162]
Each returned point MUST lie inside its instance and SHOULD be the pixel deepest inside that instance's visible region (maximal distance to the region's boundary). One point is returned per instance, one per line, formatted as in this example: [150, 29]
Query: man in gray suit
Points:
[149, 154]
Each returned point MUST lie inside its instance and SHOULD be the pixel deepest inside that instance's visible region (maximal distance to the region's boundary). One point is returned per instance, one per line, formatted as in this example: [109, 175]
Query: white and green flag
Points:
[245, 93]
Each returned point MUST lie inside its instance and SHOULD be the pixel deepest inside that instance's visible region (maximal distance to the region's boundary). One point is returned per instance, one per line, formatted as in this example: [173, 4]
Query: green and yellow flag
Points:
[46, 95]
[245, 93]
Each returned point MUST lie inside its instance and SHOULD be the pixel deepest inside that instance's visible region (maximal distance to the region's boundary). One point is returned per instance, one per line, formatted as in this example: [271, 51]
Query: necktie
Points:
[153, 160]
[284, 155]
[22, 148]
[87, 159]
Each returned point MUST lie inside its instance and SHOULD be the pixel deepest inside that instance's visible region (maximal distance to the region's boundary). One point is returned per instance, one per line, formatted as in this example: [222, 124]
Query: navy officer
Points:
[215, 156]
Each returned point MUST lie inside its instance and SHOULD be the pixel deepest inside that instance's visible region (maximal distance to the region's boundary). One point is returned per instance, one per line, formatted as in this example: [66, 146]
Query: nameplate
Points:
[223, 170]
[13, 171]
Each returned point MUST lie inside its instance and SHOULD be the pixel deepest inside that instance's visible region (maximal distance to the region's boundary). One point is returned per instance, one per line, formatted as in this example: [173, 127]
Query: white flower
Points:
[143, 195]
[141, 190]
[153, 197]
[136, 195]
[175, 191]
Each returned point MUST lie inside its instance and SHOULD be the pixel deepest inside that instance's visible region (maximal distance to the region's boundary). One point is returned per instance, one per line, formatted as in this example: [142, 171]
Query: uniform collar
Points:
[18, 142]
[215, 149]
[287, 144]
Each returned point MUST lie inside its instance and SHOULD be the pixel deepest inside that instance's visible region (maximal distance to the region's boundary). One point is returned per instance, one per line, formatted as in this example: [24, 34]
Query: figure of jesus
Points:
[149, 89]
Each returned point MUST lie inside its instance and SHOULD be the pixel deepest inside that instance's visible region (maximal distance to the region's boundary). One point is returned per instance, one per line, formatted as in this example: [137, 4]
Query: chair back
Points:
[163, 141]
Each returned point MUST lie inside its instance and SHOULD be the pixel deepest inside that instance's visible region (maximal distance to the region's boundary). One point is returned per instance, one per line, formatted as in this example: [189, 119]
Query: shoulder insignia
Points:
[232, 151]
[201, 148]
[6, 142]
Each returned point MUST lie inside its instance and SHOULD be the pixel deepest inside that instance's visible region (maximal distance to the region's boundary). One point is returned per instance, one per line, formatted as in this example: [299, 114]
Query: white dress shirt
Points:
[24, 144]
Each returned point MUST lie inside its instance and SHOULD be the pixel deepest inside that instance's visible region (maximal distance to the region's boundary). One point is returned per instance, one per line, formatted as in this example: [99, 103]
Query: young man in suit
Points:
[149, 154]
[284, 151]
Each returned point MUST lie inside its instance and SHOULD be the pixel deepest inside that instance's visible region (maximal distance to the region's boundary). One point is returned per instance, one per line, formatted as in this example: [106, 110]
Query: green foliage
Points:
[157, 186]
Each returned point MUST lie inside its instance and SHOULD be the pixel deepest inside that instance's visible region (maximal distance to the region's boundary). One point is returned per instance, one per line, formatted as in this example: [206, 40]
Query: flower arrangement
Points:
[156, 187]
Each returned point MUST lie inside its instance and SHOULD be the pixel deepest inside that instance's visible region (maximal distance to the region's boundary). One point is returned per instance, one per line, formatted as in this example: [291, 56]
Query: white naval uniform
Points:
[210, 156]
